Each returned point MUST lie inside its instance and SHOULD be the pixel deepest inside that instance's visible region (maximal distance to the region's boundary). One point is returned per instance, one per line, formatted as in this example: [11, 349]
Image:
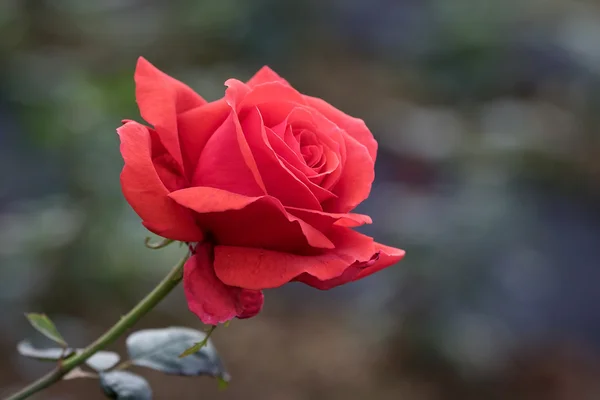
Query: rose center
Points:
[310, 148]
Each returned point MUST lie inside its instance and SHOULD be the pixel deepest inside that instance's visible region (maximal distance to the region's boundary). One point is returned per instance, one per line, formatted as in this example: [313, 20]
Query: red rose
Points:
[264, 179]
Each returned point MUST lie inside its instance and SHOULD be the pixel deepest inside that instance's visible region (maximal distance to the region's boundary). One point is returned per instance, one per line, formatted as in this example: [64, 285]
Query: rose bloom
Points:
[261, 182]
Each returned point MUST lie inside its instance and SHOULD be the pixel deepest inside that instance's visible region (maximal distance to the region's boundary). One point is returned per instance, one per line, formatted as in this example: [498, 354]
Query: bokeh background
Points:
[488, 175]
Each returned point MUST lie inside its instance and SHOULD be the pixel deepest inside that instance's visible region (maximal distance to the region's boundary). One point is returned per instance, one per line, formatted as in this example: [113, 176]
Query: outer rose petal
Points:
[385, 257]
[276, 94]
[145, 191]
[355, 182]
[279, 97]
[257, 269]
[354, 126]
[239, 220]
[323, 221]
[225, 162]
[264, 75]
[160, 98]
[209, 298]
[196, 127]
[166, 167]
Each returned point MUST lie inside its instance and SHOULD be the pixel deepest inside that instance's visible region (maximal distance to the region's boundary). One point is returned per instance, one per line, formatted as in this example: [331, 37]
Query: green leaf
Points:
[160, 349]
[46, 327]
[157, 245]
[223, 383]
[124, 385]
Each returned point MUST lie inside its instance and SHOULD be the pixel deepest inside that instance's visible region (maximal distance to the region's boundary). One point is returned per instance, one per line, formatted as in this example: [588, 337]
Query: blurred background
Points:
[488, 175]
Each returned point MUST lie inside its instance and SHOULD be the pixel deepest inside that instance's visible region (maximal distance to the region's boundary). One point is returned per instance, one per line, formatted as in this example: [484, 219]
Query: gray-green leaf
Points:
[123, 385]
[25, 348]
[45, 326]
[159, 349]
[101, 361]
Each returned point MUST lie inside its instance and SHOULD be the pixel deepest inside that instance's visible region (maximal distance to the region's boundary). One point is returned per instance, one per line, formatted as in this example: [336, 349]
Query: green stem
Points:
[126, 322]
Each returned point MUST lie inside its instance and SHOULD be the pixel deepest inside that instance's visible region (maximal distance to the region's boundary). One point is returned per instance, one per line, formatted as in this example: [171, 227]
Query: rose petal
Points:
[224, 163]
[385, 257]
[329, 135]
[258, 269]
[249, 303]
[322, 194]
[160, 98]
[336, 153]
[330, 170]
[167, 168]
[278, 97]
[209, 298]
[238, 220]
[284, 151]
[279, 181]
[354, 126]
[354, 184]
[264, 75]
[146, 193]
[323, 220]
[313, 154]
[196, 127]
[288, 150]
[291, 140]
[234, 92]
[267, 92]
[295, 164]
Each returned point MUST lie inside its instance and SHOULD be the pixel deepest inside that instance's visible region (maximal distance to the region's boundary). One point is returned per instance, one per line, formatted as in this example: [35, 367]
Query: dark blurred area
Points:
[488, 175]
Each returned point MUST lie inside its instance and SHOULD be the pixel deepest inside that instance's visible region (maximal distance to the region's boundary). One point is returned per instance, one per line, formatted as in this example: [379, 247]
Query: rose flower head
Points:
[261, 182]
